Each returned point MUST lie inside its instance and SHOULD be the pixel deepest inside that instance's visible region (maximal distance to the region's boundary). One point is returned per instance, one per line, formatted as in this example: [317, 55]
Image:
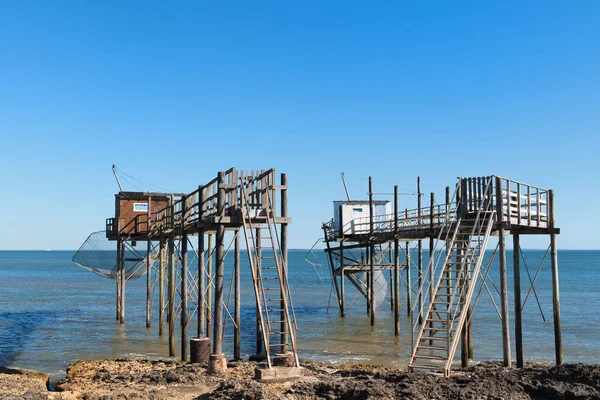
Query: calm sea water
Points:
[54, 313]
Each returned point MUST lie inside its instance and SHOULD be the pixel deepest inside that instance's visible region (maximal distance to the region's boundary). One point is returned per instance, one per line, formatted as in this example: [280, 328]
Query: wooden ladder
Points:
[439, 334]
[273, 301]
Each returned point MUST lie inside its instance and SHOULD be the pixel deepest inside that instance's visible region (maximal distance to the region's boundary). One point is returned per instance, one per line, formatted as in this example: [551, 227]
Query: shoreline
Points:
[146, 379]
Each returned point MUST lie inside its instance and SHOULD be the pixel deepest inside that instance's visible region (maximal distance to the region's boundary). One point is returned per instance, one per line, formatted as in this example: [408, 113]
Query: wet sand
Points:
[135, 379]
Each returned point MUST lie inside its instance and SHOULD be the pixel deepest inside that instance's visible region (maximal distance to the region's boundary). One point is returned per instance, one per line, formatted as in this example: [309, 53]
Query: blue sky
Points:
[173, 92]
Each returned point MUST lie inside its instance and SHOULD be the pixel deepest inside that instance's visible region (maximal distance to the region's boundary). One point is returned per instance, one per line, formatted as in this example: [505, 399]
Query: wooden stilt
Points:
[259, 342]
[419, 255]
[123, 278]
[200, 331]
[201, 286]
[555, 286]
[148, 267]
[237, 296]
[209, 284]
[184, 295]
[408, 281]
[503, 276]
[517, 293]
[118, 281]
[396, 267]
[342, 277]
[284, 258]
[220, 271]
[372, 255]
[161, 285]
[171, 294]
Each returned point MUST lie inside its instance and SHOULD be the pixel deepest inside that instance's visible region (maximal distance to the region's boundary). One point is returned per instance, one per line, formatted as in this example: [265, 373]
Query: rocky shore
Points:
[129, 379]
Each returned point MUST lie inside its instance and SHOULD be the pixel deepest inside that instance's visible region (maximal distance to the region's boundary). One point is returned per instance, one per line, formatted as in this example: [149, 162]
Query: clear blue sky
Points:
[173, 92]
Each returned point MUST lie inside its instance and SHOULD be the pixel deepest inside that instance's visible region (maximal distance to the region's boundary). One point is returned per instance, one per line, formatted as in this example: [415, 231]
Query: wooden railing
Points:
[520, 204]
[202, 204]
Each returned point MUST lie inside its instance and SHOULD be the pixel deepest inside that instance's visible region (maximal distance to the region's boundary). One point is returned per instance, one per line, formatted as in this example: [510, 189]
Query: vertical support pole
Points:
[201, 267]
[123, 278]
[237, 300]
[209, 283]
[464, 333]
[431, 243]
[259, 342]
[171, 294]
[396, 267]
[148, 266]
[342, 276]
[420, 255]
[161, 285]
[555, 286]
[372, 253]
[503, 275]
[517, 292]
[284, 259]
[408, 282]
[219, 271]
[184, 272]
[332, 265]
[118, 280]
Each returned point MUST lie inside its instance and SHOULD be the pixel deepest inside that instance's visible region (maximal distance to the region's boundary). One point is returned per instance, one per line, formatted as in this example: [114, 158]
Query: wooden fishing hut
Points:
[458, 232]
[250, 204]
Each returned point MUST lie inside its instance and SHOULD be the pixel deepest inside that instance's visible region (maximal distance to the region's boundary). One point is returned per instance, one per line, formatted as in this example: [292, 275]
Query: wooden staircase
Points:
[273, 301]
[439, 335]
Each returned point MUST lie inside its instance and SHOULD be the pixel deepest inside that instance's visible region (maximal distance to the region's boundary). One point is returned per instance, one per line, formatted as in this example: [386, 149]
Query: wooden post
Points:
[332, 265]
[123, 278]
[184, 272]
[419, 255]
[259, 343]
[396, 267]
[284, 258]
[431, 244]
[342, 288]
[148, 266]
[237, 294]
[220, 270]
[517, 292]
[408, 284]
[201, 267]
[118, 280]
[161, 285]
[372, 253]
[555, 286]
[201, 286]
[171, 295]
[209, 283]
[503, 275]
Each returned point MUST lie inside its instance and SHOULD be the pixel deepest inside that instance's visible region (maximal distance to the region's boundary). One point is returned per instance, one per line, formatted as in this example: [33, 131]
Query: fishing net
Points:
[99, 255]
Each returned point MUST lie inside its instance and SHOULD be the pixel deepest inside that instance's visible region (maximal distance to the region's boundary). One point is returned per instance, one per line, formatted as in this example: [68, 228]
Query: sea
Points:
[53, 313]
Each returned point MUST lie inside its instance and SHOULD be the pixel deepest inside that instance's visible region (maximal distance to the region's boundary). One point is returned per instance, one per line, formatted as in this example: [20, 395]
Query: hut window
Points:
[140, 207]
[357, 209]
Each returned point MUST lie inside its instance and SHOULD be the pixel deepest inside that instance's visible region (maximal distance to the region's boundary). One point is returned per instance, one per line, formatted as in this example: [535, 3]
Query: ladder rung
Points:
[433, 348]
[431, 357]
[426, 366]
